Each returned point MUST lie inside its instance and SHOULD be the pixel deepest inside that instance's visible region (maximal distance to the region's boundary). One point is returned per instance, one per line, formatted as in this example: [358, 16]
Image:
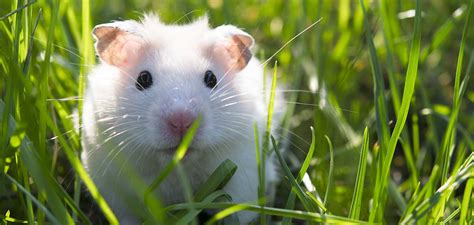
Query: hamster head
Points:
[157, 79]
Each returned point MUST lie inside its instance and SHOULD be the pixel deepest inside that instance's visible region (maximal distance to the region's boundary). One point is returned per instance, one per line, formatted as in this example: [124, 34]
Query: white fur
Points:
[123, 124]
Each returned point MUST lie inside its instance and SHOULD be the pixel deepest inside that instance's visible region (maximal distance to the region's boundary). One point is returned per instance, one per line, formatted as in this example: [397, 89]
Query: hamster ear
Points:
[118, 45]
[232, 48]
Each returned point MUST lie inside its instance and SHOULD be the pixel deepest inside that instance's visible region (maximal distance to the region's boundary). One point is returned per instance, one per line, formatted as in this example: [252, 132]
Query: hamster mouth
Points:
[172, 151]
[174, 144]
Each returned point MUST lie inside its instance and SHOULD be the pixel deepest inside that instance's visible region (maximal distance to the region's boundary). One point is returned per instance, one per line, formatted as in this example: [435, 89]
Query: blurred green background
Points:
[329, 65]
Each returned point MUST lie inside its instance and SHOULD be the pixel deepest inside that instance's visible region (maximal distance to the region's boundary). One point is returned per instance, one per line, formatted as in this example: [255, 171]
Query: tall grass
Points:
[385, 84]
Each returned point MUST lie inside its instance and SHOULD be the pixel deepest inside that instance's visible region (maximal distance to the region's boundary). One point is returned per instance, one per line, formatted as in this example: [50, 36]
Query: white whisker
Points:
[291, 40]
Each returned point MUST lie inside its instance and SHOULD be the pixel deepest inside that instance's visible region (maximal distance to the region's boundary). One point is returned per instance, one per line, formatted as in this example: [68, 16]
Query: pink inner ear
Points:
[232, 54]
[121, 49]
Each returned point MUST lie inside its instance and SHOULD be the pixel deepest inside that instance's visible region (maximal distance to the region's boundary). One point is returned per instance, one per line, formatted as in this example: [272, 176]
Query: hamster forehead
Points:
[179, 37]
[177, 50]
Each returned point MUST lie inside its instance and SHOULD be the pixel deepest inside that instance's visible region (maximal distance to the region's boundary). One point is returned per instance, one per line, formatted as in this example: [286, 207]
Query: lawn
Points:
[379, 108]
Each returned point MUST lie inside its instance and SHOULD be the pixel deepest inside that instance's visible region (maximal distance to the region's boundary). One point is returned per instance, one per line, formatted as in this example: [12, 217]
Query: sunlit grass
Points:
[379, 101]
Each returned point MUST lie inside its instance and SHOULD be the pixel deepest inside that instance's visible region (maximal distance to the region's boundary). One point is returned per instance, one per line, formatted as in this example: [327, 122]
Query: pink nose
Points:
[180, 121]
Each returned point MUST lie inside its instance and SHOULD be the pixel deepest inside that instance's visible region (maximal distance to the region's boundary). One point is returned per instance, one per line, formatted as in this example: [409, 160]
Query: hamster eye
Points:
[210, 79]
[144, 80]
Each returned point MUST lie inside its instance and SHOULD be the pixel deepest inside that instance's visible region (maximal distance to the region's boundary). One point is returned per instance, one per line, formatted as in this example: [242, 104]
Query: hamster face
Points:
[169, 92]
[154, 85]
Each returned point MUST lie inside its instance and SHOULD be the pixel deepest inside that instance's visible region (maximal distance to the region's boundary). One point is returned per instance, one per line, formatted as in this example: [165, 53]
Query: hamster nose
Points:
[180, 121]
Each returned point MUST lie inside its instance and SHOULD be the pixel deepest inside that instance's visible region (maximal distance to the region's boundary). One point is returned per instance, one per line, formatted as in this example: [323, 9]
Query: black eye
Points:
[144, 80]
[210, 79]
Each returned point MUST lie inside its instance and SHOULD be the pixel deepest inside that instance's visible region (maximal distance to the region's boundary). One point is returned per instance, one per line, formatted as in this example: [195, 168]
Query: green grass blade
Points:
[38, 204]
[379, 87]
[295, 214]
[411, 75]
[87, 58]
[226, 212]
[191, 214]
[331, 170]
[307, 202]
[390, 28]
[185, 183]
[270, 109]
[412, 199]
[43, 90]
[457, 79]
[308, 158]
[29, 203]
[415, 135]
[437, 199]
[43, 78]
[26, 65]
[418, 195]
[79, 169]
[180, 152]
[441, 35]
[19, 9]
[444, 156]
[261, 176]
[266, 144]
[448, 139]
[410, 160]
[447, 146]
[451, 216]
[290, 204]
[356, 205]
[304, 167]
[40, 174]
[74, 206]
[467, 202]
[87, 51]
[381, 112]
[217, 180]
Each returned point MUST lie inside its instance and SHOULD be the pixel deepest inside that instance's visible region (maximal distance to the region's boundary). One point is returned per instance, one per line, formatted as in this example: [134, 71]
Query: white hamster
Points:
[152, 83]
